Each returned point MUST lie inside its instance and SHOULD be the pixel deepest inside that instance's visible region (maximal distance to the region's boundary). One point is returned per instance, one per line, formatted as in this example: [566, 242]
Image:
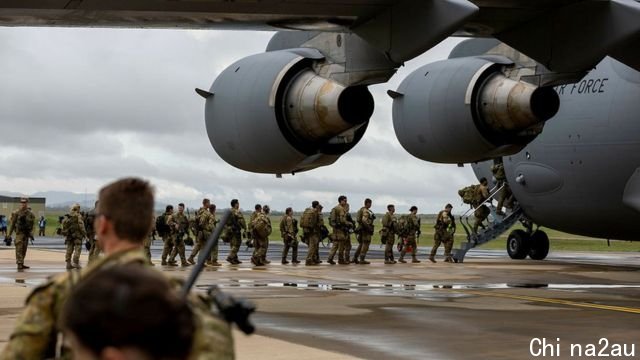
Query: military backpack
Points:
[261, 226]
[161, 225]
[403, 228]
[308, 221]
[470, 194]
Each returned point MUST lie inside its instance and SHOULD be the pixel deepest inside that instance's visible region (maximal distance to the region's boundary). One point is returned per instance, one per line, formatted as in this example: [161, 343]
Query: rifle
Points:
[231, 309]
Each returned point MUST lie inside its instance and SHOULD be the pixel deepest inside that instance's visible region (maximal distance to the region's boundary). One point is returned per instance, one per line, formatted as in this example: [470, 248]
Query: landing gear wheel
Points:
[518, 244]
[539, 243]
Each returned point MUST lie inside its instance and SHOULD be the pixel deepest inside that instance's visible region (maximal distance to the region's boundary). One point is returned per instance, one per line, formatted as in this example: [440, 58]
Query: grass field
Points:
[559, 240]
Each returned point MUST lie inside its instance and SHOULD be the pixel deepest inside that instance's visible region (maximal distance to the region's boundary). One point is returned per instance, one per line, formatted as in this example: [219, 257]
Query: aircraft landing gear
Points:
[518, 244]
[539, 245]
[521, 243]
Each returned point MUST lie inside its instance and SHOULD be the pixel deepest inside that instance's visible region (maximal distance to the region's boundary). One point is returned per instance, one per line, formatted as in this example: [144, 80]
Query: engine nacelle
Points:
[466, 110]
[271, 113]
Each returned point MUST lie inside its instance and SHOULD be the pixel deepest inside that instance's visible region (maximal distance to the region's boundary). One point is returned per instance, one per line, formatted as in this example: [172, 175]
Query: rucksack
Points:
[161, 225]
[498, 172]
[261, 226]
[308, 219]
[402, 226]
[469, 194]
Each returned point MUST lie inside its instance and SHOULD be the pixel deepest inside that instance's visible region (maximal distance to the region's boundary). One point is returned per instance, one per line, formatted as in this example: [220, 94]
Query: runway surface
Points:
[490, 307]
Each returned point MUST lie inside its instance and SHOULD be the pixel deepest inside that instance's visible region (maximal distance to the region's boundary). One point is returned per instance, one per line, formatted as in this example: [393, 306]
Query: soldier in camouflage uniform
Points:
[365, 218]
[233, 229]
[289, 232]
[410, 239]
[388, 233]
[312, 234]
[445, 228]
[199, 223]
[340, 225]
[346, 254]
[94, 250]
[482, 211]
[261, 228]
[254, 215]
[212, 259]
[22, 222]
[179, 225]
[146, 245]
[38, 330]
[74, 232]
[167, 239]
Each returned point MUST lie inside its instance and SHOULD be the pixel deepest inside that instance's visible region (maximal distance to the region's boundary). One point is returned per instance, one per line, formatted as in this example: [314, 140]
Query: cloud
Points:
[81, 107]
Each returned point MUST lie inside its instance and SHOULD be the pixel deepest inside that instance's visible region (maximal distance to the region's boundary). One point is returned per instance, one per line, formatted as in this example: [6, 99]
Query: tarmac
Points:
[489, 307]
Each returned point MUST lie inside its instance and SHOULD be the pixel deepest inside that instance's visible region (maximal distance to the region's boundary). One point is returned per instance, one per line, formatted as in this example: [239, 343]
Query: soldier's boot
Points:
[20, 267]
[230, 260]
[433, 259]
[330, 261]
[69, 266]
[363, 261]
[294, 259]
[415, 260]
[355, 260]
[215, 263]
[448, 259]
[185, 264]
[401, 259]
[255, 261]
[164, 262]
[310, 263]
[236, 261]
[77, 265]
[389, 261]
[190, 260]
[265, 261]
[284, 261]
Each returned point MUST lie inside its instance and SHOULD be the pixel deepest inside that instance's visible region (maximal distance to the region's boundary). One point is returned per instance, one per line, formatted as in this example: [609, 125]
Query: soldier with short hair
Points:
[124, 219]
[234, 228]
[165, 233]
[388, 233]
[261, 229]
[22, 222]
[340, 225]
[413, 225]
[94, 250]
[365, 218]
[212, 259]
[289, 237]
[445, 228]
[311, 223]
[201, 220]
[74, 231]
[179, 225]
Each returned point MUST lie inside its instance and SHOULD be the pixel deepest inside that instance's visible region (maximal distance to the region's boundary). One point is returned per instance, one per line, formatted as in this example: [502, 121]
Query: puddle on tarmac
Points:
[427, 291]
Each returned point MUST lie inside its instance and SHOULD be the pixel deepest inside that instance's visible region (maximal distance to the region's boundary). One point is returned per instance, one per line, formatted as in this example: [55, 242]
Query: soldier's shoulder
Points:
[55, 285]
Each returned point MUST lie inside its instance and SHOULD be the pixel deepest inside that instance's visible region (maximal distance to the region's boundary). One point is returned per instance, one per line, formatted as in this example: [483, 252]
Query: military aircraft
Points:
[548, 88]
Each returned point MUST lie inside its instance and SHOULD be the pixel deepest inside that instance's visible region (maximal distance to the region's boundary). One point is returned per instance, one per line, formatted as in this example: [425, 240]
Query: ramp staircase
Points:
[498, 226]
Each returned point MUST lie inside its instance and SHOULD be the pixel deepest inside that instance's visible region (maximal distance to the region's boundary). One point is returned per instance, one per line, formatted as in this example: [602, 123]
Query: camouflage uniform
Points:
[22, 222]
[483, 211]
[388, 236]
[38, 332]
[260, 243]
[234, 228]
[364, 217]
[206, 223]
[94, 250]
[445, 227]
[410, 239]
[74, 231]
[312, 237]
[289, 238]
[179, 225]
[340, 228]
[167, 239]
[346, 251]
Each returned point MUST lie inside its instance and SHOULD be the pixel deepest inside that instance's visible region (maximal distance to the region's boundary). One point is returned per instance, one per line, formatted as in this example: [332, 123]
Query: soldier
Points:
[42, 225]
[163, 230]
[212, 259]
[125, 213]
[22, 222]
[506, 195]
[179, 225]
[340, 225]
[365, 218]
[234, 228]
[311, 222]
[346, 254]
[413, 229]
[94, 250]
[261, 228]
[482, 211]
[202, 219]
[254, 215]
[388, 233]
[74, 232]
[445, 228]
[164, 324]
[289, 237]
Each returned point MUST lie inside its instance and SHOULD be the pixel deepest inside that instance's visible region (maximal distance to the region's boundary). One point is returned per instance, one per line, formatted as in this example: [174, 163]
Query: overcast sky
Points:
[82, 107]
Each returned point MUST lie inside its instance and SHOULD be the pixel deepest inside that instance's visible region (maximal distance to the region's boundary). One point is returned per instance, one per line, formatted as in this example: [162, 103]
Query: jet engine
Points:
[272, 113]
[466, 109]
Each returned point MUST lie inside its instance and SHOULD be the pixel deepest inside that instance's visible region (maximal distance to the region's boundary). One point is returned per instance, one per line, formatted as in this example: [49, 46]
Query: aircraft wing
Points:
[564, 35]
